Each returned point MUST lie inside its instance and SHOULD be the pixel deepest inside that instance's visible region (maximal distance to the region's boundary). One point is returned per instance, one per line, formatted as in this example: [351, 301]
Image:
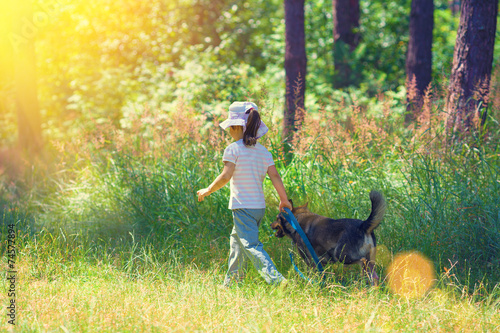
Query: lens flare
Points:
[410, 275]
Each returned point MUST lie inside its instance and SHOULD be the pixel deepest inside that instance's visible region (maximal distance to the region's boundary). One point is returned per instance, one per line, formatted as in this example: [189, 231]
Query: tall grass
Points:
[115, 216]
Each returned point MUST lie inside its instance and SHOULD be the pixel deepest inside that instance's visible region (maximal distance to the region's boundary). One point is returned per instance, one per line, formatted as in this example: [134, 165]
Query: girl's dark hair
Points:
[253, 124]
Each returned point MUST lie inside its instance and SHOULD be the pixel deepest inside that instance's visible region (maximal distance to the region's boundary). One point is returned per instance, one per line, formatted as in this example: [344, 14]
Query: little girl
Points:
[246, 164]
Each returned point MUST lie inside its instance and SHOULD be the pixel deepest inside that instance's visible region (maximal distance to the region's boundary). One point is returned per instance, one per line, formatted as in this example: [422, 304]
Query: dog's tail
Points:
[377, 214]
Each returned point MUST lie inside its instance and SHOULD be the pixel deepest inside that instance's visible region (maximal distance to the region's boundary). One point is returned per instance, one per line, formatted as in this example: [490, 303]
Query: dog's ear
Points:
[291, 202]
[301, 209]
[303, 206]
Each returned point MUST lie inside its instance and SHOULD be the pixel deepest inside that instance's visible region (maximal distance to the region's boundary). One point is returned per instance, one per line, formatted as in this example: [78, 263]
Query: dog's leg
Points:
[305, 255]
[302, 249]
[369, 267]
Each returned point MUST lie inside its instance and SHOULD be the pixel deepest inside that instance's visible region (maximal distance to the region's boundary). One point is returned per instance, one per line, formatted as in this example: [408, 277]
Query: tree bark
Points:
[472, 64]
[295, 69]
[28, 110]
[345, 39]
[419, 56]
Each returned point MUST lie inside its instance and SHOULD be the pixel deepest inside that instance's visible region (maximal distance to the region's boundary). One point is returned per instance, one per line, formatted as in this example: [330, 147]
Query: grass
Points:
[84, 294]
[110, 236]
[82, 285]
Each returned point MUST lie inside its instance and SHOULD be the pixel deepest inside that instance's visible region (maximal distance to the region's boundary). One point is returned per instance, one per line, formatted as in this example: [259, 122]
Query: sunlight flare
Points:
[411, 275]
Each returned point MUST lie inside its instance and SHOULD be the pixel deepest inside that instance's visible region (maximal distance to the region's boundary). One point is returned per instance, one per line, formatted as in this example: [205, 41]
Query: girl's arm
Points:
[219, 182]
[280, 188]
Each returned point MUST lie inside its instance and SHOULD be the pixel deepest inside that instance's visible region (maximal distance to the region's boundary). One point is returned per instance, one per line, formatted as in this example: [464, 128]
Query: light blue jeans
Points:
[245, 246]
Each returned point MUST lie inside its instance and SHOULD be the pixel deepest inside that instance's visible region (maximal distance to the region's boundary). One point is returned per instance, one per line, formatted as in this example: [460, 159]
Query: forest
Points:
[109, 124]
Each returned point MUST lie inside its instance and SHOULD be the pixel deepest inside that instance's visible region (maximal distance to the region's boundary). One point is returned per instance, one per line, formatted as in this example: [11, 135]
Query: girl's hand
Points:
[219, 182]
[203, 193]
[284, 204]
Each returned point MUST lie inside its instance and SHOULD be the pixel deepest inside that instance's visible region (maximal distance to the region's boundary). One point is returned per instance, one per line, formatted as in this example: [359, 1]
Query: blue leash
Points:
[296, 226]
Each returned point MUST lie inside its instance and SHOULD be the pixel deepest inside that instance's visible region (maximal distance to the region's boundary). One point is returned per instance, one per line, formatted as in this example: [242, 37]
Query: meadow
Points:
[109, 235]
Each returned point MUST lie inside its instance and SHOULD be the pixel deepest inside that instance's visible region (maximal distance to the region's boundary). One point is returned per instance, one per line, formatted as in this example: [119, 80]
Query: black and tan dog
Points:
[348, 241]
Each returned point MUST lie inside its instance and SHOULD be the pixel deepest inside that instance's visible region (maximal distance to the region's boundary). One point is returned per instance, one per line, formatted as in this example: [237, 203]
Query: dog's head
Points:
[281, 225]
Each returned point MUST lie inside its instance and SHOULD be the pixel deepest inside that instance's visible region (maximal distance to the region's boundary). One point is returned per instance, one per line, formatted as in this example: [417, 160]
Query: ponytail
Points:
[253, 124]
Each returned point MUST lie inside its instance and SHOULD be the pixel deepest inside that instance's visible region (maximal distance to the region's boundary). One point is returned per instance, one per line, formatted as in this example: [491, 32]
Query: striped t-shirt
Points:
[251, 165]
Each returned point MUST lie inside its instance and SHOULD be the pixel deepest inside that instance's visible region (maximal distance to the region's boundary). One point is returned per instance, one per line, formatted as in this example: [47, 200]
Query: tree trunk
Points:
[345, 39]
[28, 110]
[295, 69]
[419, 56]
[472, 63]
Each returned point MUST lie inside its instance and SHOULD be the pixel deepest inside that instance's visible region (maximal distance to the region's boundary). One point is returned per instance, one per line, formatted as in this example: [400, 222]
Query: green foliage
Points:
[452, 212]
[444, 36]
[382, 52]
[101, 60]
[319, 43]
